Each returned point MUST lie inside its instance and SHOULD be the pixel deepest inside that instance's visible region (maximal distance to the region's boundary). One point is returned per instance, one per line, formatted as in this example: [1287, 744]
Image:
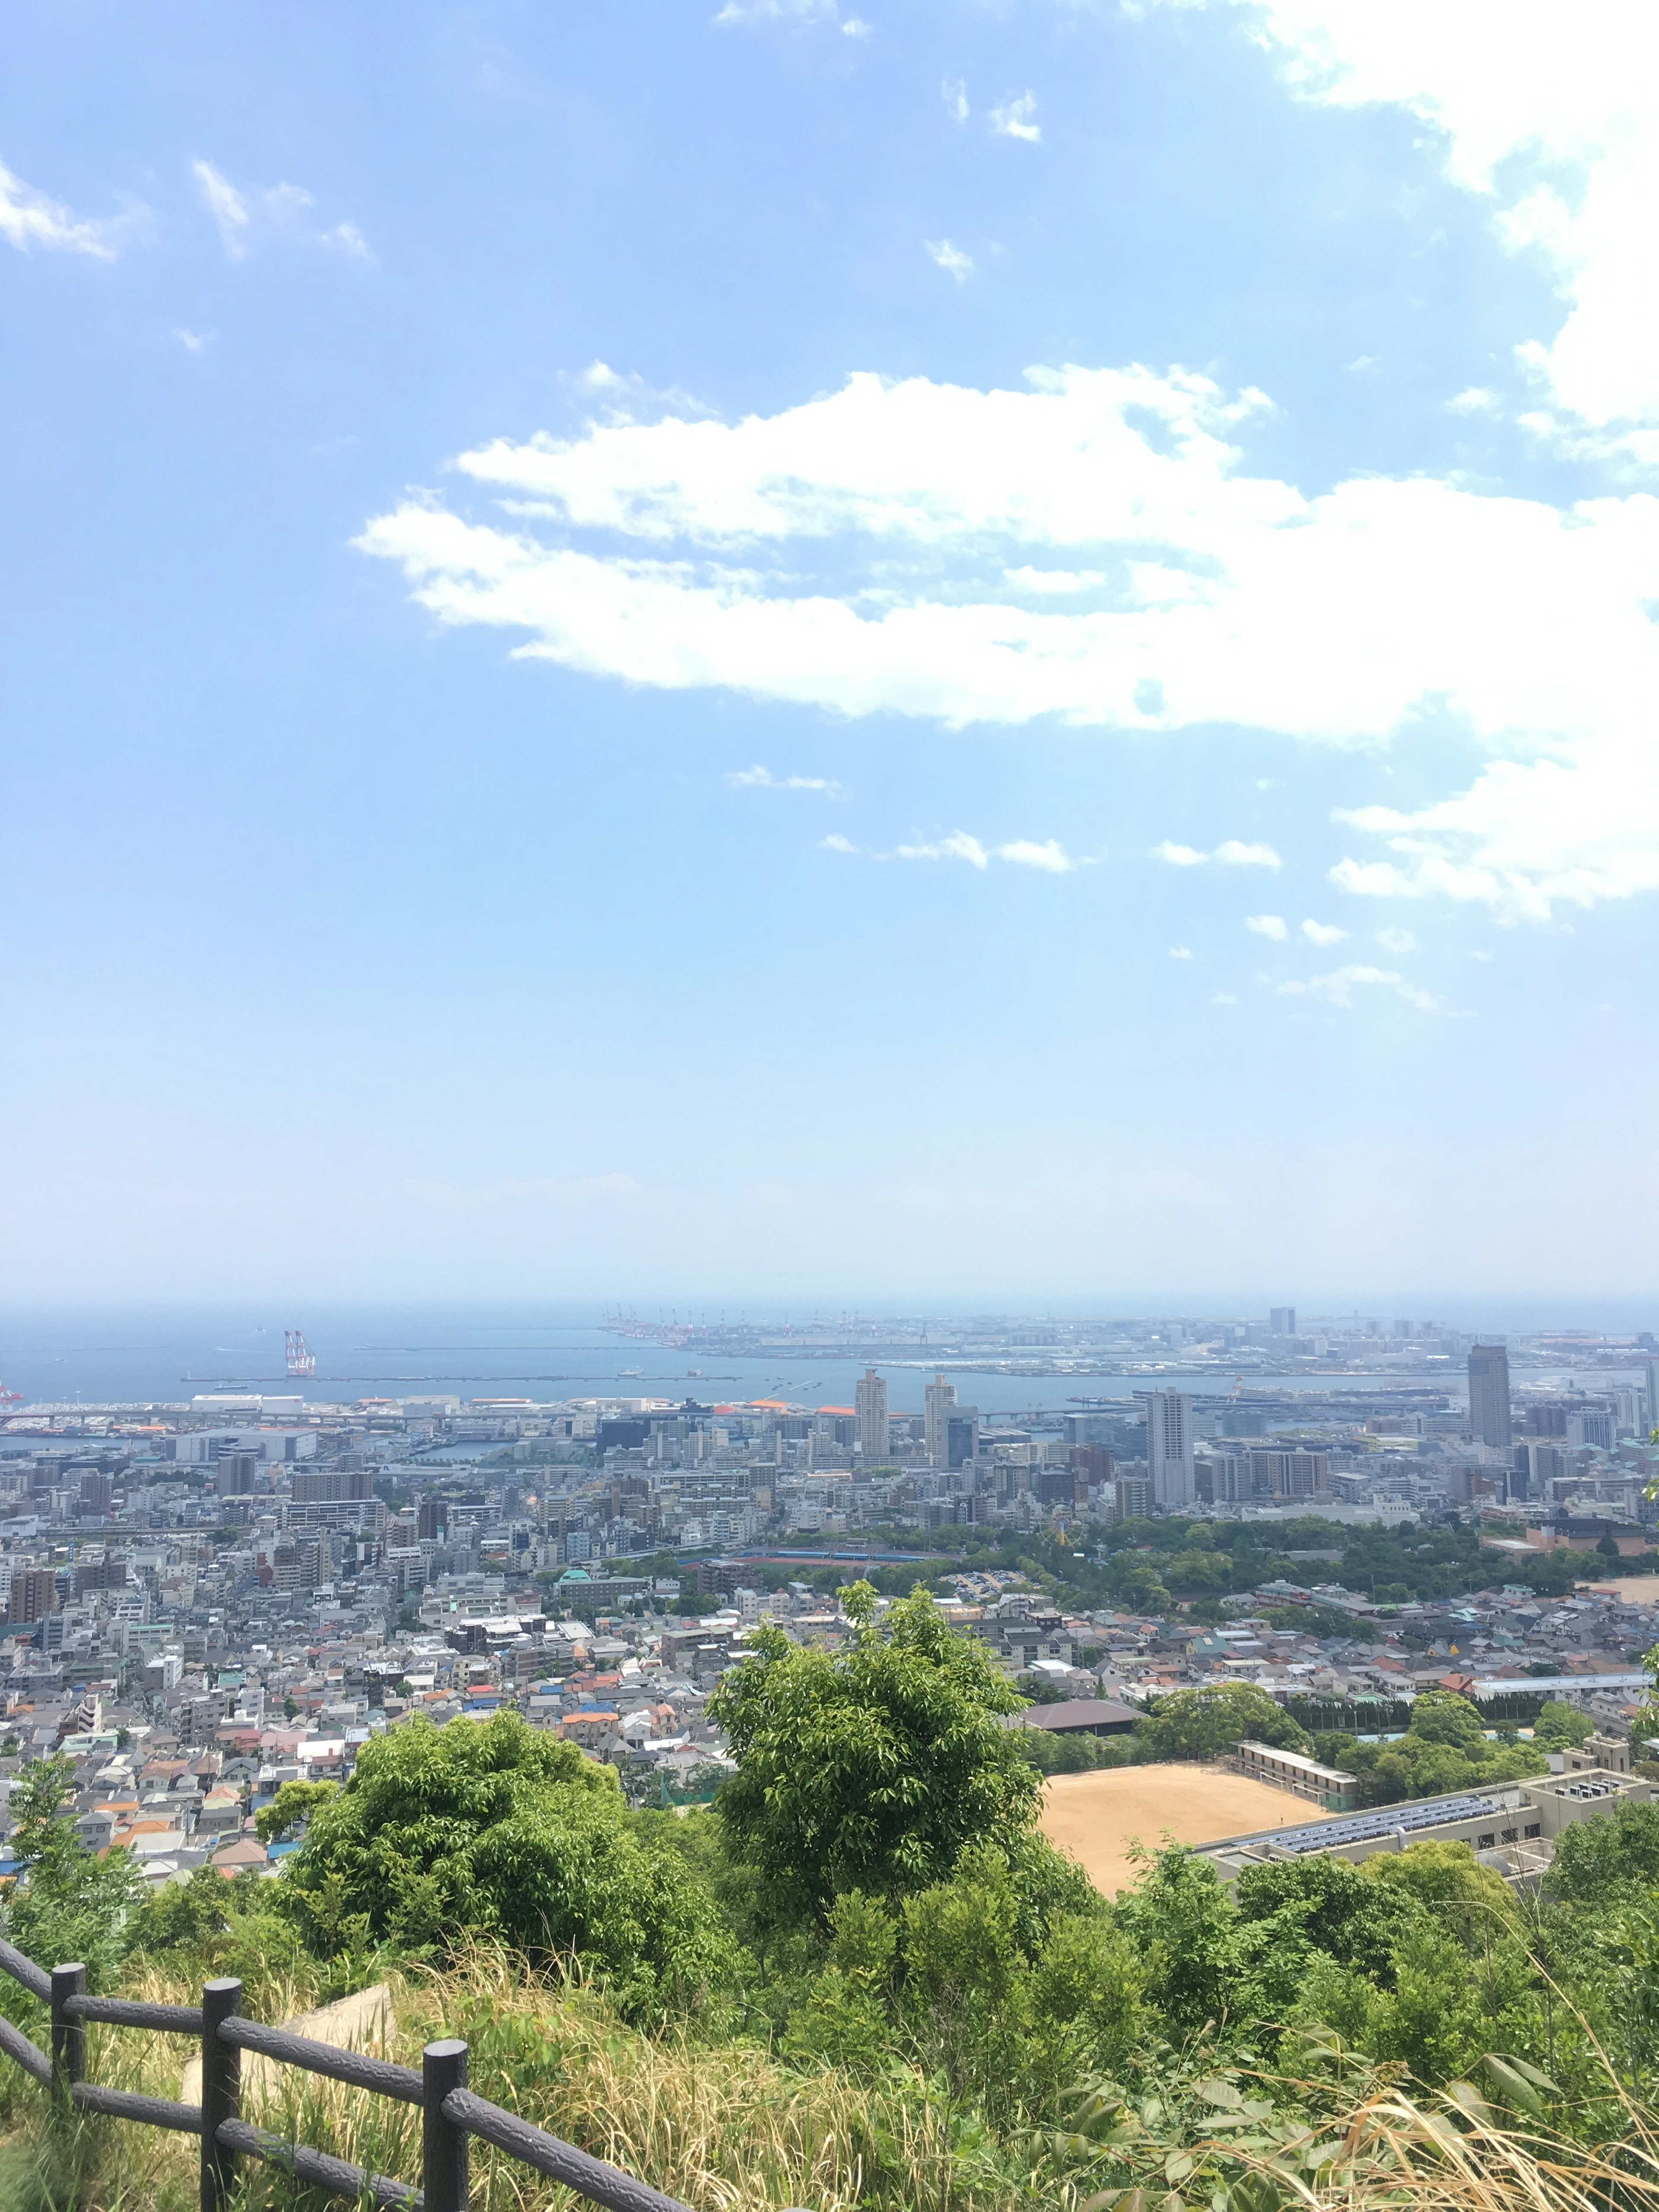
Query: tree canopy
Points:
[493, 1828]
[872, 1767]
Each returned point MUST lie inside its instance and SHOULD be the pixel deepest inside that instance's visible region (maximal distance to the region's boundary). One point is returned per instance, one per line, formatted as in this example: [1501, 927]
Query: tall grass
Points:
[732, 2128]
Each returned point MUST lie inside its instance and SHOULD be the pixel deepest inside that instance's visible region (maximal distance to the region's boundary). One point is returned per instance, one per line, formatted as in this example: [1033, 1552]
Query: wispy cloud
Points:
[1232, 854]
[955, 92]
[761, 779]
[1396, 940]
[951, 259]
[1338, 988]
[1013, 119]
[194, 341]
[1049, 857]
[30, 218]
[1268, 925]
[1322, 932]
[239, 215]
[1180, 952]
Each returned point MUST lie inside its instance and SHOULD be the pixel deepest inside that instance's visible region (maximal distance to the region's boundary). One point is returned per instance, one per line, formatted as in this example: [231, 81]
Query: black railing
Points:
[450, 2114]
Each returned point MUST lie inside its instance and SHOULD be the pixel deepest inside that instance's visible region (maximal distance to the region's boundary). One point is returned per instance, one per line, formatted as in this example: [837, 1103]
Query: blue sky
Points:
[782, 651]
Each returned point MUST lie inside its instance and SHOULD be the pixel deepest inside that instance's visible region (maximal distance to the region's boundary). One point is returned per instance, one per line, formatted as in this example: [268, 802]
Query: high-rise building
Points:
[1281, 1320]
[1134, 1496]
[938, 1399]
[1489, 1395]
[1169, 1448]
[1653, 1393]
[961, 1435]
[433, 1521]
[870, 1400]
[33, 1595]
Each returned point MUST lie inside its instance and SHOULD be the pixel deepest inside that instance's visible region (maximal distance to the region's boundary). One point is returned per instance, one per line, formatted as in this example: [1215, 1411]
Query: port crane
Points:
[301, 1363]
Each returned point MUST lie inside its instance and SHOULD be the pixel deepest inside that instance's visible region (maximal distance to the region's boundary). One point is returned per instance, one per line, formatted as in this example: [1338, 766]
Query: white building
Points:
[939, 1399]
[1169, 1449]
[871, 1401]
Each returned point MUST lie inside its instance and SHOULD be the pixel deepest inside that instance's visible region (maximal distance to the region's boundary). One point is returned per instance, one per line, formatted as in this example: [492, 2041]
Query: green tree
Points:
[1559, 1724]
[1595, 1860]
[493, 1828]
[1204, 1723]
[294, 1802]
[68, 1903]
[872, 1767]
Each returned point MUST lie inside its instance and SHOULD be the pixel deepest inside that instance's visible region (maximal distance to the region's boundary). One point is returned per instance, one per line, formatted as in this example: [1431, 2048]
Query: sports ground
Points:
[1098, 1817]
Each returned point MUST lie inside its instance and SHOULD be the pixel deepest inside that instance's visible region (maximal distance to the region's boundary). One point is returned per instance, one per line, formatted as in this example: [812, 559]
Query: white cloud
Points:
[1322, 932]
[761, 779]
[1559, 134]
[1180, 952]
[1046, 582]
[1232, 854]
[1223, 998]
[955, 92]
[958, 846]
[238, 215]
[1267, 925]
[1338, 988]
[951, 259]
[1013, 119]
[1051, 856]
[856, 28]
[1476, 400]
[780, 11]
[28, 218]
[854, 553]
[347, 239]
[1396, 940]
[194, 341]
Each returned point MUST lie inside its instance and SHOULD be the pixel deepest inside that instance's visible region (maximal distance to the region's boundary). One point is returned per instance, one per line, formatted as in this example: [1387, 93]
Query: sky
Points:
[761, 651]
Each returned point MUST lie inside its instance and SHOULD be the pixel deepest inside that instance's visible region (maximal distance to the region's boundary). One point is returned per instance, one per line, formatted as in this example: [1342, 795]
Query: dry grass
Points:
[730, 2130]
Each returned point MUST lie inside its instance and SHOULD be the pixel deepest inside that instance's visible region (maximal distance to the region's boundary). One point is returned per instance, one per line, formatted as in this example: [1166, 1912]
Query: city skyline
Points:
[828, 647]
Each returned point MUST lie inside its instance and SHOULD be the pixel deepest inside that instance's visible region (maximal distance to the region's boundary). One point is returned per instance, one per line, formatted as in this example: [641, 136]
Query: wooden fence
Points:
[450, 2114]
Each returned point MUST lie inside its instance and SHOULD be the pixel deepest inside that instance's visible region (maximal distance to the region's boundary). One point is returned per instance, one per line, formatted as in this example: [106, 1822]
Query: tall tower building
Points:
[870, 1400]
[1653, 1393]
[1281, 1320]
[939, 1398]
[1489, 1394]
[1169, 1449]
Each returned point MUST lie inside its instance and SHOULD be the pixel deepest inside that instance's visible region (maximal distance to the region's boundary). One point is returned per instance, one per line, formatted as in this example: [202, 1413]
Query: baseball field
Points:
[1097, 1817]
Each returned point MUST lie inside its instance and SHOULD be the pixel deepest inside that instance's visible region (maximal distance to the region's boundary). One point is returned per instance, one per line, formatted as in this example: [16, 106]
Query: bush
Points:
[491, 1828]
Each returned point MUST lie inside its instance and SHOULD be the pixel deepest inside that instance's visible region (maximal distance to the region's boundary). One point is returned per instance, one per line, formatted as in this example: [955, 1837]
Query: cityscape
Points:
[828, 1326]
[207, 1598]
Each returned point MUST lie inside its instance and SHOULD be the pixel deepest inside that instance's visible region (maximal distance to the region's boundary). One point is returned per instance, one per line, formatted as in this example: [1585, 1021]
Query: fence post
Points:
[69, 2037]
[222, 2092]
[444, 2178]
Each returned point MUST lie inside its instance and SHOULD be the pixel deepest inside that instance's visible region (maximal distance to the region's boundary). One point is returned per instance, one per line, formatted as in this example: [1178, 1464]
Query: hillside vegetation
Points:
[864, 1978]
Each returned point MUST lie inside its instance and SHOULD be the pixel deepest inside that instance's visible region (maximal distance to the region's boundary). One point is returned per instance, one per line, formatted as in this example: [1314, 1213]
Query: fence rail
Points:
[451, 2114]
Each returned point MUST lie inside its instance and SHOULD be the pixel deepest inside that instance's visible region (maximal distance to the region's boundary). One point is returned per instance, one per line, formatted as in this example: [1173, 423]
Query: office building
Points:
[1133, 1494]
[937, 1399]
[961, 1436]
[870, 1400]
[1652, 1379]
[33, 1595]
[1169, 1449]
[1489, 1395]
[1281, 1320]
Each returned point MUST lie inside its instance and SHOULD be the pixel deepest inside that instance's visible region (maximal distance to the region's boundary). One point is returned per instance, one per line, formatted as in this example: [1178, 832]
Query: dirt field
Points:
[1635, 1589]
[1095, 1817]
